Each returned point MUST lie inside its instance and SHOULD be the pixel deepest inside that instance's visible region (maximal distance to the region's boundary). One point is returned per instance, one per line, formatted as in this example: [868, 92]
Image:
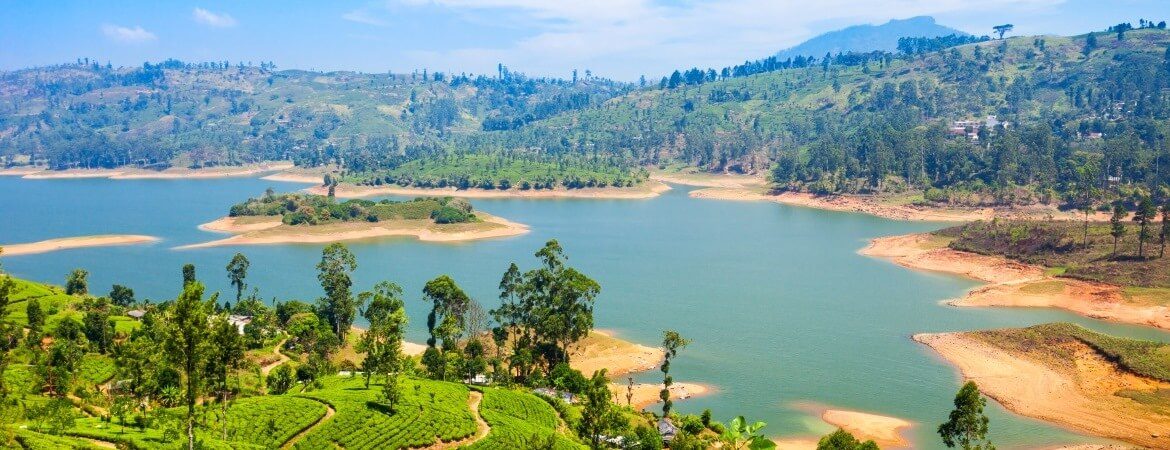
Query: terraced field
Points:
[519, 420]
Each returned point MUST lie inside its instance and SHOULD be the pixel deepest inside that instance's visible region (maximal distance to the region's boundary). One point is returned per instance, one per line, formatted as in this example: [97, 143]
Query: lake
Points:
[784, 315]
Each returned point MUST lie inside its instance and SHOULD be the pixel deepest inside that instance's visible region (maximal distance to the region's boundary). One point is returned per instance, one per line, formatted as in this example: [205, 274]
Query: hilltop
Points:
[867, 38]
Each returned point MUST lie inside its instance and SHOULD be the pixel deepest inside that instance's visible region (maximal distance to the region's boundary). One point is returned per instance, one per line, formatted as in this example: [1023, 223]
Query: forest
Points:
[959, 120]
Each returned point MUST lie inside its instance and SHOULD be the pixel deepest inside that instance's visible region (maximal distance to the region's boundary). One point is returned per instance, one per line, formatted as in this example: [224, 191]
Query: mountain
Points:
[866, 38]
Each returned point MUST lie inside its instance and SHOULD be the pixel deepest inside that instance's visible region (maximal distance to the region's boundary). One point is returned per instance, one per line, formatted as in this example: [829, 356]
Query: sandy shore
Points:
[168, 174]
[51, 245]
[646, 394]
[19, 171]
[710, 180]
[1079, 395]
[296, 177]
[1016, 284]
[601, 350]
[846, 203]
[887, 432]
[648, 189]
[270, 232]
[239, 225]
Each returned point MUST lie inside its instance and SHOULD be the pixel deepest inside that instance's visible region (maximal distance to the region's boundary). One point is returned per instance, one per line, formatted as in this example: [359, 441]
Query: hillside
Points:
[868, 38]
[1069, 112]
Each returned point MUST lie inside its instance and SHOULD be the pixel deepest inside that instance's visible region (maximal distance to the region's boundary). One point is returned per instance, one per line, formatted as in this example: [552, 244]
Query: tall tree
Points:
[1165, 230]
[1001, 29]
[237, 270]
[672, 342]
[382, 343]
[186, 344]
[76, 284]
[967, 425]
[597, 414]
[121, 295]
[1145, 214]
[339, 305]
[225, 356]
[1117, 226]
[188, 274]
[1087, 190]
[446, 321]
[9, 332]
[561, 300]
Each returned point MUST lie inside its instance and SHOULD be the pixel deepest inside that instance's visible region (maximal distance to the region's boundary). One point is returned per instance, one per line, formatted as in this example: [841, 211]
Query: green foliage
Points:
[967, 425]
[309, 209]
[75, 283]
[427, 412]
[519, 420]
[280, 380]
[739, 434]
[842, 440]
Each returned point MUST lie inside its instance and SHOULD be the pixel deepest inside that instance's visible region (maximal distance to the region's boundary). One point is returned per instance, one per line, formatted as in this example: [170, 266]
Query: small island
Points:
[310, 218]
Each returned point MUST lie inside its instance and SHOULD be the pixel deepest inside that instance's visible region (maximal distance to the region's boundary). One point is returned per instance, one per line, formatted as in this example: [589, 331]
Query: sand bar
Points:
[66, 243]
[711, 180]
[424, 230]
[648, 189]
[602, 350]
[646, 394]
[1016, 284]
[1081, 396]
[887, 432]
[129, 173]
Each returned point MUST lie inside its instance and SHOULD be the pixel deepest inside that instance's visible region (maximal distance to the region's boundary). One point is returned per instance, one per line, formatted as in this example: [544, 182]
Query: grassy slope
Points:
[1060, 245]
[1146, 358]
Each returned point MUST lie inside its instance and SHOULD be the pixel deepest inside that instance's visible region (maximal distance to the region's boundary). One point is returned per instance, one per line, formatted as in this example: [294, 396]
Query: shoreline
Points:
[66, 243]
[1030, 388]
[645, 395]
[846, 203]
[144, 174]
[1015, 284]
[272, 232]
[648, 189]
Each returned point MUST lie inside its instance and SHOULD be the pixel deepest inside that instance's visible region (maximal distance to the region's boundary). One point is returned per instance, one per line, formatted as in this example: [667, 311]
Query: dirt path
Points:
[329, 411]
[279, 354]
[481, 427]
[101, 443]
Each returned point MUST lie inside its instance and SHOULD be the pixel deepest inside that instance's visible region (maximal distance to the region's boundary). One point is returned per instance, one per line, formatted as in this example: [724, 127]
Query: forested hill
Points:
[1071, 113]
[867, 38]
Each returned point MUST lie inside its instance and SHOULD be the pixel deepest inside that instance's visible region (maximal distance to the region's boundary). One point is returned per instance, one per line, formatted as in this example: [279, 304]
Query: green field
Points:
[519, 420]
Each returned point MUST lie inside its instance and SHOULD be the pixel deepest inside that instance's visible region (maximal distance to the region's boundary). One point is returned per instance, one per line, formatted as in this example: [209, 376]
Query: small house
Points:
[136, 314]
[239, 322]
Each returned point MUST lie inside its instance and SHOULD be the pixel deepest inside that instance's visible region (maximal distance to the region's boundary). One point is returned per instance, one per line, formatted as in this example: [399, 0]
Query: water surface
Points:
[784, 314]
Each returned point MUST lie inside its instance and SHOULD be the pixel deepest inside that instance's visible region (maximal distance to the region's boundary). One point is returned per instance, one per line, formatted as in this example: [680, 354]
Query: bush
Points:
[447, 214]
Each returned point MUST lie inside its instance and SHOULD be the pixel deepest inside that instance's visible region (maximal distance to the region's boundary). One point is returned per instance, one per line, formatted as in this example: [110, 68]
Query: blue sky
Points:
[615, 38]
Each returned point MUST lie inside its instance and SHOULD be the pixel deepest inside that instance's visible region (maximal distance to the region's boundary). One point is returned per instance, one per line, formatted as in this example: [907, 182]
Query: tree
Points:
[9, 332]
[36, 319]
[1165, 230]
[1145, 214]
[559, 303]
[672, 342]
[122, 295]
[188, 274]
[280, 380]
[99, 329]
[225, 356]
[1117, 227]
[842, 440]
[186, 344]
[382, 343]
[449, 304]
[338, 306]
[1086, 190]
[1090, 44]
[967, 425]
[237, 271]
[76, 284]
[1001, 29]
[738, 434]
[597, 414]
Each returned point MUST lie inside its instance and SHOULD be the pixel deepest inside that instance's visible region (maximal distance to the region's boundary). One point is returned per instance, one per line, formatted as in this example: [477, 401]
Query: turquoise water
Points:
[784, 315]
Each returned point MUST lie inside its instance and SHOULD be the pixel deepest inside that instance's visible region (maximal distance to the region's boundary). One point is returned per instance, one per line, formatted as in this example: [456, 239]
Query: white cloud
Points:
[209, 18]
[127, 35]
[364, 17]
[626, 38]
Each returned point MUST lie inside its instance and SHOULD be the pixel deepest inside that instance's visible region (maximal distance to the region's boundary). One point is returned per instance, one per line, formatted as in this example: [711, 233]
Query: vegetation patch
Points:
[309, 209]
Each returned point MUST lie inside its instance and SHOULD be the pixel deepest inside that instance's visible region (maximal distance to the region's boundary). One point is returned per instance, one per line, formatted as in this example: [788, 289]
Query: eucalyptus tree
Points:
[75, 282]
[1116, 226]
[186, 342]
[967, 425]
[237, 270]
[339, 306]
[225, 356]
[382, 343]
[672, 342]
[1144, 215]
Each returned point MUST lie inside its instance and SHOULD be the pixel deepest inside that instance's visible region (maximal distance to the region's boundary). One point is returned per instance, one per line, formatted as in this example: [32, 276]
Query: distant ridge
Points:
[866, 38]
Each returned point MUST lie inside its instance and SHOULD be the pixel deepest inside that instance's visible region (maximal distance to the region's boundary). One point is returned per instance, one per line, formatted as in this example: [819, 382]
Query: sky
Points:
[620, 39]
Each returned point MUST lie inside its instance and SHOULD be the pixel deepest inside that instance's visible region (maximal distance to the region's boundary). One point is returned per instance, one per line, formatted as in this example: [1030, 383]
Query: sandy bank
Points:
[51, 245]
[424, 230]
[711, 180]
[648, 189]
[846, 203]
[129, 173]
[646, 394]
[601, 350]
[236, 225]
[296, 177]
[1015, 284]
[886, 431]
[1080, 394]
[19, 171]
